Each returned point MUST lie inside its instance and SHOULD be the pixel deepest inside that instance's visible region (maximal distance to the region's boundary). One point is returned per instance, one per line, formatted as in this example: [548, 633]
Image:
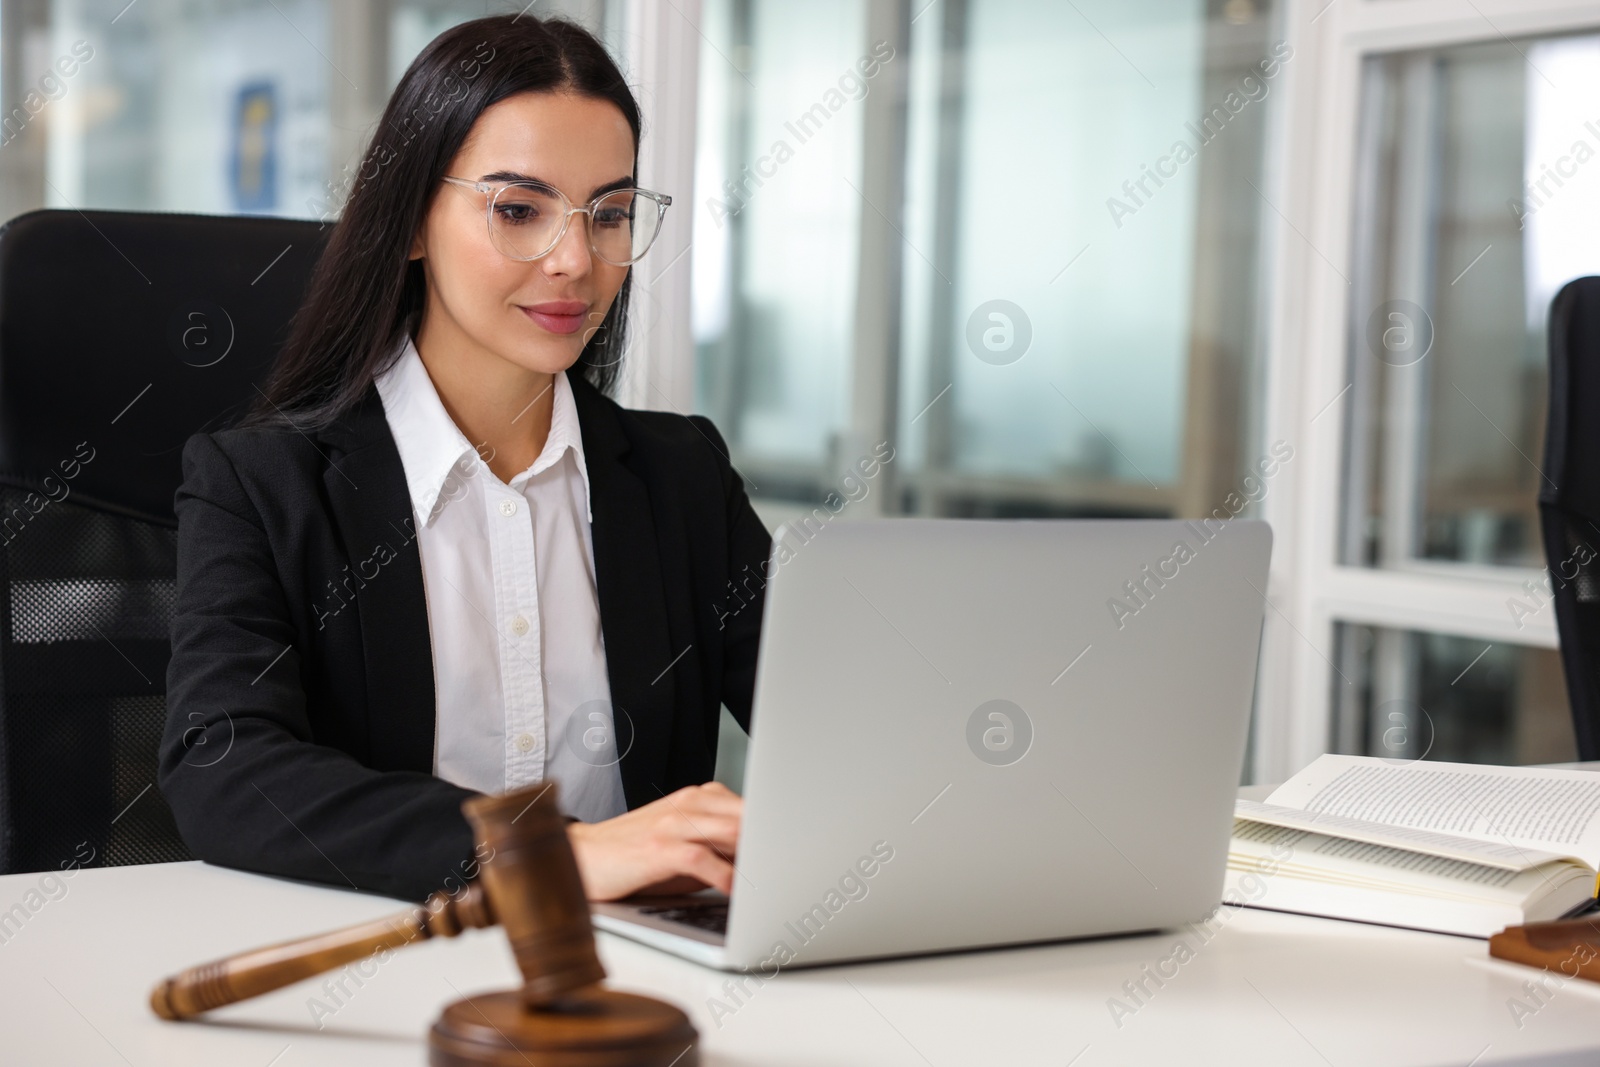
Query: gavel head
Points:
[531, 879]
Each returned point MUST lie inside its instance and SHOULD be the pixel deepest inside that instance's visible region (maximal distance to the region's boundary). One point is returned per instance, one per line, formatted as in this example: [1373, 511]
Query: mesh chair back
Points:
[121, 334]
[1569, 502]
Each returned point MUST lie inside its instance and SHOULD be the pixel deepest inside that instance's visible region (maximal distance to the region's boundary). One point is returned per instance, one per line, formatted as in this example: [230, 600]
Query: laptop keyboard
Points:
[711, 915]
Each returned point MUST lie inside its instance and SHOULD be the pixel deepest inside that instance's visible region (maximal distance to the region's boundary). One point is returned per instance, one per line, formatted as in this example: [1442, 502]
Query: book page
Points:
[1554, 811]
[1295, 870]
[1333, 859]
[1450, 846]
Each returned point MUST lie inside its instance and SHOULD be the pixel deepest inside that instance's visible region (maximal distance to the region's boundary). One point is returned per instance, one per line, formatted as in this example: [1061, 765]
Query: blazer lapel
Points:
[371, 506]
[632, 597]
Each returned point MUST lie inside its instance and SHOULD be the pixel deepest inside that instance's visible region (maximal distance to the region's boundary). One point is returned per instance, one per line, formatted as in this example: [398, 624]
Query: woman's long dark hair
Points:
[365, 294]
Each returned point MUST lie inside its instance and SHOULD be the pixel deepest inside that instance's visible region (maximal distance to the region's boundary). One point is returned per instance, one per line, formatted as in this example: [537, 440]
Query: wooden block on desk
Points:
[1570, 946]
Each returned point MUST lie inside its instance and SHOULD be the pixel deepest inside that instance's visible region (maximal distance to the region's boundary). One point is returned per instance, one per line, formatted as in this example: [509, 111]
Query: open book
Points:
[1453, 847]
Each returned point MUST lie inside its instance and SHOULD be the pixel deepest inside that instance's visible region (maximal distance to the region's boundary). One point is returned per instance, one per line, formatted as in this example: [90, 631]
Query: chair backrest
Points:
[121, 334]
[1569, 501]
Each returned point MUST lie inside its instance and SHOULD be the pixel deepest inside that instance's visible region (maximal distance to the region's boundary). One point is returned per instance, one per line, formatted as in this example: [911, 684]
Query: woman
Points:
[436, 559]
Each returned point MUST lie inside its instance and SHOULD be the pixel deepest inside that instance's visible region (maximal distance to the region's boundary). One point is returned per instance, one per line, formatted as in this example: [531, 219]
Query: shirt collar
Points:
[431, 444]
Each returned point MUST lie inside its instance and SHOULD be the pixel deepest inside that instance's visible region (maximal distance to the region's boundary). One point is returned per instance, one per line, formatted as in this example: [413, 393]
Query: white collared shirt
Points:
[519, 664]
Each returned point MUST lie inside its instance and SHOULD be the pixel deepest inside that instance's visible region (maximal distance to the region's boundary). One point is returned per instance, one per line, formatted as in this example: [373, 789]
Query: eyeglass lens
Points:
[525, 220]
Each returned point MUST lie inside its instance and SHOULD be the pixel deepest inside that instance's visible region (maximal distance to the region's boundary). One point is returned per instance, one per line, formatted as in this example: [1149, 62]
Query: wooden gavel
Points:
[530, 887]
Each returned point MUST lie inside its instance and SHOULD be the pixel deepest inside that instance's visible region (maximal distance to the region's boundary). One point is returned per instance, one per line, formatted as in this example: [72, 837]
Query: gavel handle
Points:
[249, 974]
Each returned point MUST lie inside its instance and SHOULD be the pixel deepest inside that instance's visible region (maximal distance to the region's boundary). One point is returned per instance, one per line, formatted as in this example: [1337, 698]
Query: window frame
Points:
[1310, 591]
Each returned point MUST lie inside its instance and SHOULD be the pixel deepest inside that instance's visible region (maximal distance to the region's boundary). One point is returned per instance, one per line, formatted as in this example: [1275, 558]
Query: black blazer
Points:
[300, 693]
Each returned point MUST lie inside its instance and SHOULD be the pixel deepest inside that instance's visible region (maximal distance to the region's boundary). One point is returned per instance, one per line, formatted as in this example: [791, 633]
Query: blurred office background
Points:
[966, 228]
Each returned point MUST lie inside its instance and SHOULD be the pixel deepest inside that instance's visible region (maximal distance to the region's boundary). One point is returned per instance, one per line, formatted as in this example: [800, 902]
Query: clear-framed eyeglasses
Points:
[527, 219]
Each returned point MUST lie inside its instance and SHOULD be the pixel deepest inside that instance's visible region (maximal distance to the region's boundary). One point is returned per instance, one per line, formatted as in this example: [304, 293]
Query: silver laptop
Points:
[975, 733]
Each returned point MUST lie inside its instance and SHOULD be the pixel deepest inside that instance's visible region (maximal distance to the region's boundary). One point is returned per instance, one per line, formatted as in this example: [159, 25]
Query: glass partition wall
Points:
[1019, 242]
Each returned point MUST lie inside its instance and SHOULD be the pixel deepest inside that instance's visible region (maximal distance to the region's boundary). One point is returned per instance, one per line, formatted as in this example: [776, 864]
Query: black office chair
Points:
[1569, 500]
[121, 333]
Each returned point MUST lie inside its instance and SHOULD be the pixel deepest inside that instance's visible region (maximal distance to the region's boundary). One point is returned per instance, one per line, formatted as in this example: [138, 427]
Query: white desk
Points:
[1266, 988]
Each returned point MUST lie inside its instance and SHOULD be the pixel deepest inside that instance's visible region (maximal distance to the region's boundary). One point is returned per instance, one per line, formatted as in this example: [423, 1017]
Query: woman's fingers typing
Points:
[671, 844]
[709, 867]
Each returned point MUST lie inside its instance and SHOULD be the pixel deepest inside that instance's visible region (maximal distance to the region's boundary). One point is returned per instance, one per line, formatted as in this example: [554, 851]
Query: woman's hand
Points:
[681, 843]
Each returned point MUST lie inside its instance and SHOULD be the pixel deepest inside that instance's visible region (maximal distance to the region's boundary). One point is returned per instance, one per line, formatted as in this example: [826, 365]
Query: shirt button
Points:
[525, 742]
[508, 507]
[519, 625]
